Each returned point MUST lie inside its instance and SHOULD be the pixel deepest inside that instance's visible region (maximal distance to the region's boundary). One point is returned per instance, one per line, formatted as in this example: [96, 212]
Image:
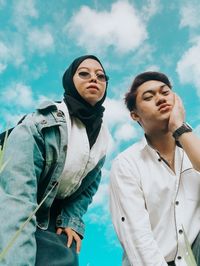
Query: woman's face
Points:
[90, 81]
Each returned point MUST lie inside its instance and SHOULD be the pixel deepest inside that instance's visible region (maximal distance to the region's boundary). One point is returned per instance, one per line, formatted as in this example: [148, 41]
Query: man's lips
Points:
[164, 107]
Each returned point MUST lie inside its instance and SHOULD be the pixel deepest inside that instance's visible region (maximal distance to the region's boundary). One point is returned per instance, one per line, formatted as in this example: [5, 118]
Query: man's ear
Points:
[135, 116]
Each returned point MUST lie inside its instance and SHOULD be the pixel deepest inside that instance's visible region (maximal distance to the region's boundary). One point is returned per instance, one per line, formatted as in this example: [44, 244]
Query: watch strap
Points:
[182, 129]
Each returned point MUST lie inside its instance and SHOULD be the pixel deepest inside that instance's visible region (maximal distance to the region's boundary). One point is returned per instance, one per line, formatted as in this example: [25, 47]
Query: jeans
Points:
[51, 248]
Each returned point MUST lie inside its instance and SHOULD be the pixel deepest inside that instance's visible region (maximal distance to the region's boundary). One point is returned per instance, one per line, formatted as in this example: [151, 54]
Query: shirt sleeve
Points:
[130, 216]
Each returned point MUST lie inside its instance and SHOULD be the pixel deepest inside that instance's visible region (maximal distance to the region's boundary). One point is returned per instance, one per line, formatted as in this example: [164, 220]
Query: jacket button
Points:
[43, 122]
[60, 114]
[59, 222]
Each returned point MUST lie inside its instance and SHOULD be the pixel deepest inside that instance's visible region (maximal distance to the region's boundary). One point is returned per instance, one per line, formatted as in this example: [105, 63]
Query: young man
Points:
[155, 183]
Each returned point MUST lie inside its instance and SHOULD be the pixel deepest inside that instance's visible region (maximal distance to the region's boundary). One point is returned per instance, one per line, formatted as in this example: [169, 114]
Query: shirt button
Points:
[180, 231]
[179, 257]
[65, 148]
[123, 219]
[177, 202]
[159, 159]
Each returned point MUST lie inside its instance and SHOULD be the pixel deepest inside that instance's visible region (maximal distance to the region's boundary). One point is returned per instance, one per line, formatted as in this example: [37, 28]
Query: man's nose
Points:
[160, 99]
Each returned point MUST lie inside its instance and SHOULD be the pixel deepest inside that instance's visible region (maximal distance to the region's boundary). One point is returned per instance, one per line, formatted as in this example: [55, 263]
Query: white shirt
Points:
[150, 204]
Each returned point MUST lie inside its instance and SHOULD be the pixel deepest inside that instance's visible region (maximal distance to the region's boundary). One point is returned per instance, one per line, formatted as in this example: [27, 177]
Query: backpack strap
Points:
[8, 131]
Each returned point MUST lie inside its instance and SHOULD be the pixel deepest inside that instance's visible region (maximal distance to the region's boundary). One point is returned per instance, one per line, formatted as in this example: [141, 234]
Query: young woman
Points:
[55, 155]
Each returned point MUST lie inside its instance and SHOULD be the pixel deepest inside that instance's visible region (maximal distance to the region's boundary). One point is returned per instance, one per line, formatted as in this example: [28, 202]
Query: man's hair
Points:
[130, 96]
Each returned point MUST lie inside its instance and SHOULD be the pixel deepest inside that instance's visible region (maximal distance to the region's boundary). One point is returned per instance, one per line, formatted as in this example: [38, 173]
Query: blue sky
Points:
[38, 40]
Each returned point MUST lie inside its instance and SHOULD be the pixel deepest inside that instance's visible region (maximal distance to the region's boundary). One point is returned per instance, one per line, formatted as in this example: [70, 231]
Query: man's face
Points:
[154, 102]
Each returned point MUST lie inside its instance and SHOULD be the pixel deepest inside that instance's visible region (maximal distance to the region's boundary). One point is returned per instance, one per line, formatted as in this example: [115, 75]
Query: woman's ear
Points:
[134, 116]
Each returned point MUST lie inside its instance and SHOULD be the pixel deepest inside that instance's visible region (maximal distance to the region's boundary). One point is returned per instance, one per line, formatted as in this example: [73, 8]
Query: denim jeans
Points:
[51, 248]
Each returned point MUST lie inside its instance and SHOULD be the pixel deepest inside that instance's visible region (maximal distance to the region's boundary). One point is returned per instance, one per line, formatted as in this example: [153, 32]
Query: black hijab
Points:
[90, 116]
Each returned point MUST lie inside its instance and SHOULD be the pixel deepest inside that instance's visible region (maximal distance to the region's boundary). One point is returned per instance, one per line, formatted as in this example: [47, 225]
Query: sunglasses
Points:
[86, 75]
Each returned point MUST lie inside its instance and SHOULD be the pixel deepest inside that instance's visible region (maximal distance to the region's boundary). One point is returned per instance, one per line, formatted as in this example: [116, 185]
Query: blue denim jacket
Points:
[36, 151]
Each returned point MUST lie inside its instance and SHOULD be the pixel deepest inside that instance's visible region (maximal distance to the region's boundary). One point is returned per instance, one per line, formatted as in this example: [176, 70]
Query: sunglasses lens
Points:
[102, 77]
[84, 75]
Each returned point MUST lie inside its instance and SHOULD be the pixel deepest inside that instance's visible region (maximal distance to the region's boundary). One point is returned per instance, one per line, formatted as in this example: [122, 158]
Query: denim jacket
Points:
[38, 146]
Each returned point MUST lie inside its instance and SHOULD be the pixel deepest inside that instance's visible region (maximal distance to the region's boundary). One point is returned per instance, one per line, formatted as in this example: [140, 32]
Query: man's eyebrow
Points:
[152, 90]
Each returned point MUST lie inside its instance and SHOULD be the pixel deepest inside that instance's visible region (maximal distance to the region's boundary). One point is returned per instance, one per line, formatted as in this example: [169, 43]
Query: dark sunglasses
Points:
[86, 75]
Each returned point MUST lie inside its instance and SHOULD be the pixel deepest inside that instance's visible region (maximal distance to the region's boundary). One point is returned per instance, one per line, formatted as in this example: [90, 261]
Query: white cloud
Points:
[119, 121]
[4, 56]
[115, 112]
[10, 55]
[25, 8]
[125, 132]
[101, 196]
[4, 51]
[2, 3]
[40, 40]
[190, 14]
[151, 8]
[188, 66]
[121, 28]
[2, 67]
[18, 94]
[153, 68]
[11, 119]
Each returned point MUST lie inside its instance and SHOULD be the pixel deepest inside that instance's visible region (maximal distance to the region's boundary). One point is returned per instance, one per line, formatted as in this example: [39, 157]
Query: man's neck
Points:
[165, 145]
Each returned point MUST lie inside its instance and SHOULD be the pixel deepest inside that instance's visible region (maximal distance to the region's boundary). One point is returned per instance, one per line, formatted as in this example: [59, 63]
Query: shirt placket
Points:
[179, 210]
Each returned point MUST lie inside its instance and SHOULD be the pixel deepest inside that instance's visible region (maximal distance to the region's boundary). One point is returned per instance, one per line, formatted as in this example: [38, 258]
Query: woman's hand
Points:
[72, 235]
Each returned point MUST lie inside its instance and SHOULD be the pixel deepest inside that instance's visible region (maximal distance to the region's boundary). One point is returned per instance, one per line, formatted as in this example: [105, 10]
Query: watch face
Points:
[187, 126]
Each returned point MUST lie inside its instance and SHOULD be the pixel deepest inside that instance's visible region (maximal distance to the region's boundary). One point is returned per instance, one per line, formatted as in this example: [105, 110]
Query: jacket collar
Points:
[47, 105]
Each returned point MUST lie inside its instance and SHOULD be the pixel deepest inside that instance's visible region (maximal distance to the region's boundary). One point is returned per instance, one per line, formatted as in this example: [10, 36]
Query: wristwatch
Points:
[182, 129]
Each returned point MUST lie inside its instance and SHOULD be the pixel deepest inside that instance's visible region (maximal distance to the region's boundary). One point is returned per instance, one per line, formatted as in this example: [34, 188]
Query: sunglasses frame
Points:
[88, 76]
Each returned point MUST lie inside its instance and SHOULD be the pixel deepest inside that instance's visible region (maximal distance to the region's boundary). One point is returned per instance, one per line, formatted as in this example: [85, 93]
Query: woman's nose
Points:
[93, 77]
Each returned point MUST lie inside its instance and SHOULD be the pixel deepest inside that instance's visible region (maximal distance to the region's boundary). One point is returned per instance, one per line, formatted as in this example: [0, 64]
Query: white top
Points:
[80, 159]
[150, 204]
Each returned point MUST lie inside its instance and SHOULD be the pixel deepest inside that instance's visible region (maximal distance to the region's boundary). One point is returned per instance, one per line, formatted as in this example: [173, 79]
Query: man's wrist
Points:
[184, 128]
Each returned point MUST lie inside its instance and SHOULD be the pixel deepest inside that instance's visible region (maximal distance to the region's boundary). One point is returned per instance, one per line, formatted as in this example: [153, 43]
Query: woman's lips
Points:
[94, 87]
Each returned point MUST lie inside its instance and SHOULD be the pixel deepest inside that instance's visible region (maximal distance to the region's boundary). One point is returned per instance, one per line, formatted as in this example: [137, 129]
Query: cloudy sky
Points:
[38, 39]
